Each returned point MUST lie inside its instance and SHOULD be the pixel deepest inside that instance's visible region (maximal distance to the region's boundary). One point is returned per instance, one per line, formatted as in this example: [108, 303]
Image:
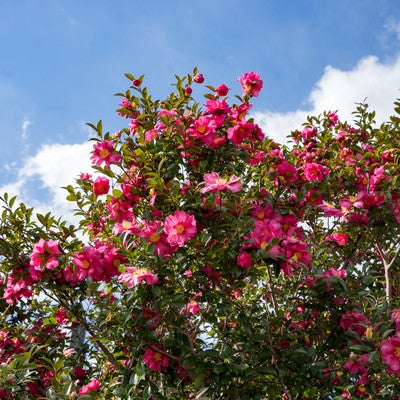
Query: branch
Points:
[387, 265]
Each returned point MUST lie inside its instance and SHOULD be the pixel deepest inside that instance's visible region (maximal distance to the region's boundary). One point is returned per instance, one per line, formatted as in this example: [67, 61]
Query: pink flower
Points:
[133, 276]
[333, 119]
[202, 127]
[244, 260]
[217, 107]
[180, 227]
[94, 384]
[188, 90]
[192, 307]
[355, 321]
[221, 90]
[61, 316]
[314, 172]
[286, 171]
[214, 183]
[17, 288]
[44, 255]
[390, 349]
[103, 152]
[155, 360]
[251, 84]
[101, 186]
[340, 238]
[155, 235]
[199, 78]
[241, 131]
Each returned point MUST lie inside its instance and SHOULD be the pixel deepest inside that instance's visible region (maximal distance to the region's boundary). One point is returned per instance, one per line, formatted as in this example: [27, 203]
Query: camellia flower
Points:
[179, 227]
[314, 172]
[340, 238]
[251, 84]
[199, 78]
[214, 183]
[134, 275]
[94, 384]
[355, 321]
[103, 152]
[44, 254]
[241, 131]
[221, 90]
[155, 360]
[101, 186]
[390, 349]
[244, 260]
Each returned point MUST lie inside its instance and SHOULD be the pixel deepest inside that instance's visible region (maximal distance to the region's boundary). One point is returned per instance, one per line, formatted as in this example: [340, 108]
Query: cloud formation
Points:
[372, 81]
[40, 180]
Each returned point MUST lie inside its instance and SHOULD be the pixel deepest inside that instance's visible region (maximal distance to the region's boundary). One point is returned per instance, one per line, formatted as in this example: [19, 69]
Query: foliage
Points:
[210, 262]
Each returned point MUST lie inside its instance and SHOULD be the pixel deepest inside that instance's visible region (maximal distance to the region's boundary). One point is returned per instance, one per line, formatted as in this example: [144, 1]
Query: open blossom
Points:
[134, 275]
[241, 131]
[244, 260]
[202, 127]
[340, 238]
[180, 227]
[355, 321]
[390, 349]
[44, 254]
[17, 288]
[94, 384]
[155, 360]
[315, 172]
[101, 186]
[251, 83]
[214, 183]
[104, 152]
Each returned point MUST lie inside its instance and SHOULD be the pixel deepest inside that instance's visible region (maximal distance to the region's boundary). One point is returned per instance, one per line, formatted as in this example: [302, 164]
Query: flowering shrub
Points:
[215, 263]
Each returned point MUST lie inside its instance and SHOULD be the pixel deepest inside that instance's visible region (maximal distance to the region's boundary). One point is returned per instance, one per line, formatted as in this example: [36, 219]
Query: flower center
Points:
[154, 237]
[179, 228]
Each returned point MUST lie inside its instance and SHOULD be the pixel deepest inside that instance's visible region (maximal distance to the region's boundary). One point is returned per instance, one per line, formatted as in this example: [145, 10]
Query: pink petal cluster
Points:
[94, 384]
[355, 321]
[251, 84]
[214, 183]
[390, 349]
[18, 286]
[155, 360]
[180, 227]
[340, 238]
[100, 262]
[134, 275]
[104, 152]
[244, 260]
[44, 255]
[314, 172]
[101, 186]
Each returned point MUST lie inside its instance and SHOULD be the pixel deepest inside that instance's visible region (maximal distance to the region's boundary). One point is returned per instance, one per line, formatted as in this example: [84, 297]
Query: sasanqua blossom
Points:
[180, 227]
[214, 183]
[44, 254]
[155, 359]
[251, 83]
[134, 275]
[104, 152]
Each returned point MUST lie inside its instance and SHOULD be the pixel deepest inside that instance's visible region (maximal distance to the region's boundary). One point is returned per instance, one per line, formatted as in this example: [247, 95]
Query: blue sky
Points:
[62, 61]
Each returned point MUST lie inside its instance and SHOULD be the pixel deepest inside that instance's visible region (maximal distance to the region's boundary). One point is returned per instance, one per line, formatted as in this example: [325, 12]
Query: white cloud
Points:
[373, 81]
[40, 180]
[25, 125]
